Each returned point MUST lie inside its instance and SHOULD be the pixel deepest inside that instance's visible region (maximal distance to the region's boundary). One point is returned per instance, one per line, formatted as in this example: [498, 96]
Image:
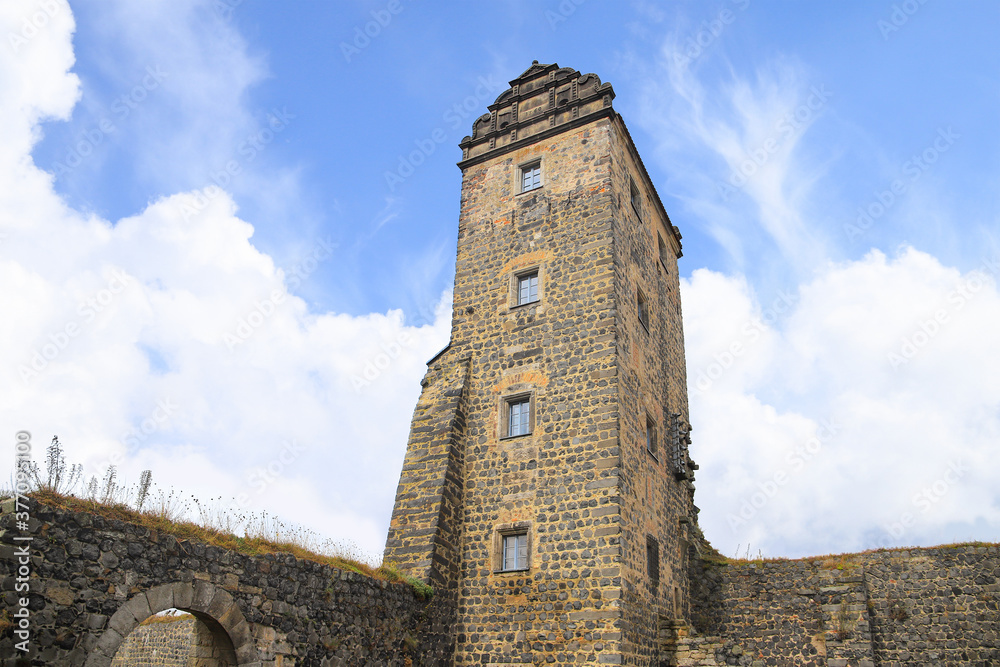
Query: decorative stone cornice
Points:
[544, 100]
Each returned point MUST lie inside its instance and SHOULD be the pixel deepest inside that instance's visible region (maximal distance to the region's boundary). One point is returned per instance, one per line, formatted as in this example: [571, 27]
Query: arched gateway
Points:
[208, 603]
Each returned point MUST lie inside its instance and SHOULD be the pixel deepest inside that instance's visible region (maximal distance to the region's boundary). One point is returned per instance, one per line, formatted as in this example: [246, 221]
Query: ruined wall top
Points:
[544, 100]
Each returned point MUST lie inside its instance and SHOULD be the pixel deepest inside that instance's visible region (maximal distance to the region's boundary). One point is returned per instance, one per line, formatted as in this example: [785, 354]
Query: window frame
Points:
[653, 561]
[520, 543]
[642, 309]
[500, 535]
[526, 169]
[516, 286]
[652, 426]
[635, 197]
[506, 403]
[661, 250]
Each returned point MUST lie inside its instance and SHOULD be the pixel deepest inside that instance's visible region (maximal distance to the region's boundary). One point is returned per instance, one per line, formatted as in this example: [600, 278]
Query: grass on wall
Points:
[63, 486]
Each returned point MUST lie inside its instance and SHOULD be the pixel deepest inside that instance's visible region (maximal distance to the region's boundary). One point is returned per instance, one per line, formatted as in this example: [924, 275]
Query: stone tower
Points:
[547, 490]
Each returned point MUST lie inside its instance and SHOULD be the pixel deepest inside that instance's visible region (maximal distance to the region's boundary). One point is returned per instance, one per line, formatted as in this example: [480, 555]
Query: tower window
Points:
[517, 416]
[531, 176]
[662, 248]
[650, 435]
[527, 288]
[643, 309]
[653, 561]
[633, 191]
[511, 548]
[515, 552]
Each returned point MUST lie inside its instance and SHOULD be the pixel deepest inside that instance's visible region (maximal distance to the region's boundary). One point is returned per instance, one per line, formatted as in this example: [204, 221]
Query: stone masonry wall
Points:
[560, 481]
[175, 641]
[937, 606]
[651, 385]
[166, 643]
[85, 568]
[425, 532]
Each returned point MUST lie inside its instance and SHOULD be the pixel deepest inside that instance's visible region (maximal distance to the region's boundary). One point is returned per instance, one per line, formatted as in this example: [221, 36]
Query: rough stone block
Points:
[160, 598]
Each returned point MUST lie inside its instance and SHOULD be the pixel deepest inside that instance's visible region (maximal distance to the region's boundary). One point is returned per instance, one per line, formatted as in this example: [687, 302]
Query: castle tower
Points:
[546, 491]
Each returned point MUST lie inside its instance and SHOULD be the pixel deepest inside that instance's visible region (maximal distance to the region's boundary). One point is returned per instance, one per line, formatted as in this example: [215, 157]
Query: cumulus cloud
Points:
[166, 340]
[859, 411]
[733, 144]
[841, 398]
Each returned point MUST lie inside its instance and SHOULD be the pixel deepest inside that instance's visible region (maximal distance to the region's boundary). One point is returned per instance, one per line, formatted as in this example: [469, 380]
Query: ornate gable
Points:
[543, 100]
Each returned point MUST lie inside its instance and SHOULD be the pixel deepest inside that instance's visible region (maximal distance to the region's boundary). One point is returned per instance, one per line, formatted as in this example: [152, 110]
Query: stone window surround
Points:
[653, 561]
[504, 530]
[635, 197]
[661, 250]
[515, 277]
[650, 423]
[642, 308]
[516, 393]
[533, 163]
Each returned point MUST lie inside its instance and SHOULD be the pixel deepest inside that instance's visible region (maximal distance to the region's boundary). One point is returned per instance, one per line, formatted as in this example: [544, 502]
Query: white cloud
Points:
[734, 146]
[891, 363]
[169, 340]
[833, 401]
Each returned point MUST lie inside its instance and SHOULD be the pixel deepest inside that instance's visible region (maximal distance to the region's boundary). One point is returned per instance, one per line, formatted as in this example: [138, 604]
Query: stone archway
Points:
[207, 602]
[181, 639]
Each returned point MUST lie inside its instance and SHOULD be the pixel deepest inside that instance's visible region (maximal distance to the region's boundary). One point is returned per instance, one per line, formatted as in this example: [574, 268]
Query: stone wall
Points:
[658, 505]
[164, 643]
[93, 580]
[174, 641]
[559, 483]
[937, 606]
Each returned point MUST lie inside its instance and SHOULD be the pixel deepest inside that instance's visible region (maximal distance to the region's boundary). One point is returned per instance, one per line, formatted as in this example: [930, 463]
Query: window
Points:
[511, 547]
[527, 288]
[643, 307]
[653, 561]
[633, 191]
[518, 416]
[531, 176]
[515, 552]
[662, 247]
[650, 435]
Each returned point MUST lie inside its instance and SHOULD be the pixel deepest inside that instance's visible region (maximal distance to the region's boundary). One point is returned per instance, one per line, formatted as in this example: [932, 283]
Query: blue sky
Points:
[832, 167]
